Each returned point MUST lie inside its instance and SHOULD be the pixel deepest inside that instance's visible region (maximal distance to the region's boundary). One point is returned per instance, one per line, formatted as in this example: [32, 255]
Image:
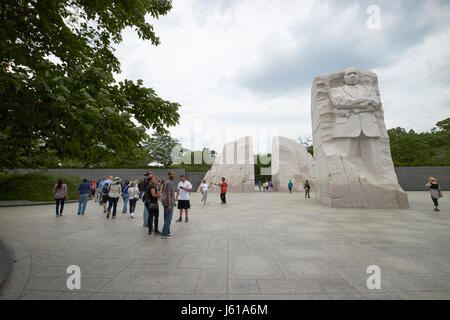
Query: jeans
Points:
[82, 203]
[125, 203]
[204, 196]
[132, 205]
[290, 189]
[59, 202]
[223, 198]
[141, 194]
[145, 216]
[113, 205]
[152, 214]
[168, 215]
[435, 201]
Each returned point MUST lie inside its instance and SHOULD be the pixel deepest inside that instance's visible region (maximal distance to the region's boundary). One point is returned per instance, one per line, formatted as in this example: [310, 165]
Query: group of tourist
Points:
[108, 191]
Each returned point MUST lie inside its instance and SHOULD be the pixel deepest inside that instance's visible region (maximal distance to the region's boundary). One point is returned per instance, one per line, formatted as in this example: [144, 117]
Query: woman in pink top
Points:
[60, 195]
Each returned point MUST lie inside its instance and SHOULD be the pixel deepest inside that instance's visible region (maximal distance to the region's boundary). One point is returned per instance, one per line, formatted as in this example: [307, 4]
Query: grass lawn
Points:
[34, 186]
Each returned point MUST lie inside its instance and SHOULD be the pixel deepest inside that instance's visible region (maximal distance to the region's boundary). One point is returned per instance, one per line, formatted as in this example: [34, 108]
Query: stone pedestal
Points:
[351, 146]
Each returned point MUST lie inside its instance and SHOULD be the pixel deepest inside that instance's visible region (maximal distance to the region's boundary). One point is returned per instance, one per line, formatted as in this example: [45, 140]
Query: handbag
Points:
[151, 205]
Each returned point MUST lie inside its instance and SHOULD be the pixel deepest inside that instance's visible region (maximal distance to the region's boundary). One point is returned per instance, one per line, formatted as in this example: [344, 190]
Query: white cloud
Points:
[246, 67]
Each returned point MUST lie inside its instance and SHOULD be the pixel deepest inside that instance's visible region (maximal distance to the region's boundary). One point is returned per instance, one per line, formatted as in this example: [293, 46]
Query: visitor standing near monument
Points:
[114, 193]
[60, 195]
[125, 188]
[168, 201]
[290, 186]
[183, 197]
[435, 192]
[146, 181]
[83, 190]
[204, 190]
[307, 189]
[223, 191]
[133, 196]
[152, 194]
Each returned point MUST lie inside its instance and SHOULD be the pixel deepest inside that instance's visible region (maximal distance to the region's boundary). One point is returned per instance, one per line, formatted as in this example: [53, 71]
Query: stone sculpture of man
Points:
[356, 129]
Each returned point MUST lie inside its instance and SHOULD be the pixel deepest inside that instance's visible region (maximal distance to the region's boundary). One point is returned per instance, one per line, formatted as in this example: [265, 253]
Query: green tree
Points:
[59, 98]
[161, 147]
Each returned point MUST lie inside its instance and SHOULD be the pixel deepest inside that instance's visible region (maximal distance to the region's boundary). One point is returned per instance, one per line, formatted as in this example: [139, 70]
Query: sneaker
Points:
[107, 215]
[157, 233]
[145, 226]
[113, 217]
[132, 216]
[186, 220]
[179, 220]
[79, 213]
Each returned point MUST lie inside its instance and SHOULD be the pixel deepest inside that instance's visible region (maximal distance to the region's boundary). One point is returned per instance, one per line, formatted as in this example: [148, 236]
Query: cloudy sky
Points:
[245, 67]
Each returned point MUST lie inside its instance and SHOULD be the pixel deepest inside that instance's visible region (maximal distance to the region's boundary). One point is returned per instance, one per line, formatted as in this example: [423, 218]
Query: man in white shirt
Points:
[183, 195]
[204, 190]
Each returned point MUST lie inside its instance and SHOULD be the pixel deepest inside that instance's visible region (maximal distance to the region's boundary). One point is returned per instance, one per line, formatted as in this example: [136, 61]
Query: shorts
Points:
[184, 204]
[105, 198]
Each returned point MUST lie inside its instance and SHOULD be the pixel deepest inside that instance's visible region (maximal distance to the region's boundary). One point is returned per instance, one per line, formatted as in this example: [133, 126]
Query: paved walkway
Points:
[260, 246]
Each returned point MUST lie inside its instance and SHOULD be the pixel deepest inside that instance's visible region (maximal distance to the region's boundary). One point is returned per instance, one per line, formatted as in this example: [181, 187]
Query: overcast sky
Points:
[242, 67]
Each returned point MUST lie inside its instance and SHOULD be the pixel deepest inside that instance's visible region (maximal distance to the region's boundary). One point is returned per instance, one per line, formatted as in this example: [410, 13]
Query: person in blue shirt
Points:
[84, 190]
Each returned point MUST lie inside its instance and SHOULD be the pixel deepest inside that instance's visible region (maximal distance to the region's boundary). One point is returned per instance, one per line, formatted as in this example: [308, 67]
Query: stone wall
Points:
[415, 178]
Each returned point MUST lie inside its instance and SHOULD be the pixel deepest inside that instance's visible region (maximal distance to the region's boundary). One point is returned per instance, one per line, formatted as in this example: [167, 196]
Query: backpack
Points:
[141, 186]
[105, 188]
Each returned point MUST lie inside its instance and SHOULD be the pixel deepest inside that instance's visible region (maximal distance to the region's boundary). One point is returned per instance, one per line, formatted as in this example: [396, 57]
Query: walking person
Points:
[83, 190]
[152, 194]
[114, 193]
[204, 190]
[105, 186]
[168, 201]
[133, 196]
[435, 192]
[183, 197]
[290, 186]
[60, 195]
[125, 188]
[307, 188]
[223, 191]
[148, 176]
[92, 187]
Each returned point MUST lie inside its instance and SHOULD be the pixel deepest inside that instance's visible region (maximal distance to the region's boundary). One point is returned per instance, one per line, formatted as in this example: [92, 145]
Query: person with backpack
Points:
[105, 192]
[133, 196]
[125, 188]
[115, 190]
[92, 187]
[60, 195]
[290, 186]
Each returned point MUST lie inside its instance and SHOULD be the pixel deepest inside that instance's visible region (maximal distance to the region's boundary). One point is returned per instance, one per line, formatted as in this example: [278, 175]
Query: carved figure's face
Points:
[351, 77]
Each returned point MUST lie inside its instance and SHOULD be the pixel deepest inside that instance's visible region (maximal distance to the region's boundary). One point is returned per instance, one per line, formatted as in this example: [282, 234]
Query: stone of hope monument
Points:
[352, 154]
